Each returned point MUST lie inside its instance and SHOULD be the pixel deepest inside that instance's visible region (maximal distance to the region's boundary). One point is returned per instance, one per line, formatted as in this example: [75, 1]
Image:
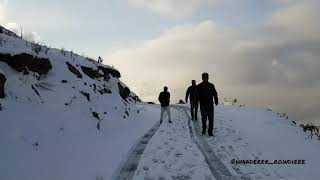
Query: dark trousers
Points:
[207, 114]
[194, 110]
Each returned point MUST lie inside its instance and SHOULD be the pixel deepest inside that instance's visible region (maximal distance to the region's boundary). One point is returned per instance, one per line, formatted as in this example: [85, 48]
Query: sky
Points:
[265, 53]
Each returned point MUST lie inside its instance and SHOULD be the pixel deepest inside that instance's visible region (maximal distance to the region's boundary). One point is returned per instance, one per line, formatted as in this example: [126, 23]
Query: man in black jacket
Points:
[164, 99]
[206, 93]
[193, 93]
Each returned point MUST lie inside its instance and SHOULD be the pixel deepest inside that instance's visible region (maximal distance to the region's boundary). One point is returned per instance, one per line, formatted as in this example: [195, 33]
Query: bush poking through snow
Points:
[44, 86]
[36, 48]
[37, 93]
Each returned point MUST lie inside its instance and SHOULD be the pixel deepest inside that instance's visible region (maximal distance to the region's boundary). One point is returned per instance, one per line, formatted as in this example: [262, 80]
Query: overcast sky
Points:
[266, 53]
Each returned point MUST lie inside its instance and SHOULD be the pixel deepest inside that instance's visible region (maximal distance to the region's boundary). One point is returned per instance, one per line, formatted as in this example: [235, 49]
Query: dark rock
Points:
[151, 103]
[104, 91]
[3, 80]
[123, 91]
[136, 98]
[25, 71]
[36, 144]
[74, 70]
[96, 115]
[106, 71]
[87, 95]
[93, 74]
[22, 61]
[181, 102]
[64, 81]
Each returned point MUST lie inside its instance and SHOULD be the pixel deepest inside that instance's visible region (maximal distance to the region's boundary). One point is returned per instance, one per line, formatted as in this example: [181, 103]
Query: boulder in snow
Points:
[93, 74]
[3, 79]
[106, 71]
[74, 70]
[123, 91]
[22, 61]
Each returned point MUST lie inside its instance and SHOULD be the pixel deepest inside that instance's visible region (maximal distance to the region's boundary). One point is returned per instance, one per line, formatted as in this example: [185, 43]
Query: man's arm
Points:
[160, 98]
[215, 95]
[187, 94]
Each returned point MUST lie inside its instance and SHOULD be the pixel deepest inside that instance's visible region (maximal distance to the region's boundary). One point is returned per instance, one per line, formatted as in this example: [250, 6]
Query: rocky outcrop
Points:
[123, 91]
[3, 80]
[93, 74]
[24, 62]
[136, 98]
[7, 32]
[106, 71]
[74, 70]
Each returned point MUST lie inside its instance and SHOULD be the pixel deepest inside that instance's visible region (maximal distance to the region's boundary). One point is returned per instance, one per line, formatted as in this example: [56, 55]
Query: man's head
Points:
[193, 82]
[165, 89]
[205, 77]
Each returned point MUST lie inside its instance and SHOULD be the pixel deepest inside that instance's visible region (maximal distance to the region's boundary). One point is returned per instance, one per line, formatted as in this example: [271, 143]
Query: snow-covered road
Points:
[176, 151]
[179, 151]
[172, 154]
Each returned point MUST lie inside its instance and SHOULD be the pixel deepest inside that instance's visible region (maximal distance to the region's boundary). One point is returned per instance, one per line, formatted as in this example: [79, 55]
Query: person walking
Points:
[206, 93]
[164, 99]
[192, 92]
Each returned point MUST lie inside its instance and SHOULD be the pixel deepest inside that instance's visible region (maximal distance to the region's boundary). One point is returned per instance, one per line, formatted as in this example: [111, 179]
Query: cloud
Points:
[274, 63]
[29, 36]
[175, 8]
[3, 4]
[299, 19]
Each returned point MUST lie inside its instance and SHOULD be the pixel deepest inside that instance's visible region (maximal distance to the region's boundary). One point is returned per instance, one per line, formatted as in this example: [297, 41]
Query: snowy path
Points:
[130, 166]
[171, 154]
[218, 169]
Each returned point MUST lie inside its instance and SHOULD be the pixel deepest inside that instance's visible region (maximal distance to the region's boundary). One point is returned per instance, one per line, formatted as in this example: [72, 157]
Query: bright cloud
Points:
[277, 62]
[298, 19]
[29, 36]
[175, 8]
[3, 4]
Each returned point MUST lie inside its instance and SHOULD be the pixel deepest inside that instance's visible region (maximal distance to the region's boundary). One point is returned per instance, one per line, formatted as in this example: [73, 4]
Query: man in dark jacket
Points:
[206, 93]
[193, 94]
[164, 99]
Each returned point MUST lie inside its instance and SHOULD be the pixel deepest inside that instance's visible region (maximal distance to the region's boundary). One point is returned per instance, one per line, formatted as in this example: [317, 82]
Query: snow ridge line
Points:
[131, 164]
[218, 169]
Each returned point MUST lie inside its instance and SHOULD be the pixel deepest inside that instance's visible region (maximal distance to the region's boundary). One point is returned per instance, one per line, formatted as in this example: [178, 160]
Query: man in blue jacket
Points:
[206, 93]
[164, 99]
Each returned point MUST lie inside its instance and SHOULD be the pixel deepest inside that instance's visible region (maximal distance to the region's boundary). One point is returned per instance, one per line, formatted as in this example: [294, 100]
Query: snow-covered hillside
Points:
[54, 103]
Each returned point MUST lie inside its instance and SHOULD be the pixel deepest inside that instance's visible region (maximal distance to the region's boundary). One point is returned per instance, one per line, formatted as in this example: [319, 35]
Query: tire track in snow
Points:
[131, 164]
[218, 169]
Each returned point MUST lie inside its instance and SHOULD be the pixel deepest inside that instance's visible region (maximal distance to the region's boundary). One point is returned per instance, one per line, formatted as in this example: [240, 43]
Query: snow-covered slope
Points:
[50, 116]
[252, 134]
